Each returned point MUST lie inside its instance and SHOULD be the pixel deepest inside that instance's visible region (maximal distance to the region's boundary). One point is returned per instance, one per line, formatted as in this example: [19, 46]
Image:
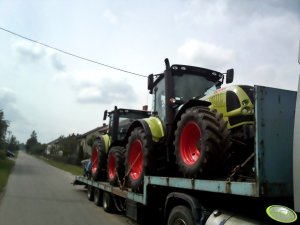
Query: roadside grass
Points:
[75, 170]
[6, 166]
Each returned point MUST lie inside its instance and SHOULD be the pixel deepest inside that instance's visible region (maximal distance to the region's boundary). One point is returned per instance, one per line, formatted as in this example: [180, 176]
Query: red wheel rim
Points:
[95, 160]
[111, 167]
[189, 151]
[136, 159]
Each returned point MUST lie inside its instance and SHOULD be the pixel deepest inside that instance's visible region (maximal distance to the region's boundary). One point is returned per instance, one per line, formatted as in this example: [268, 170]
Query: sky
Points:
[56, 94]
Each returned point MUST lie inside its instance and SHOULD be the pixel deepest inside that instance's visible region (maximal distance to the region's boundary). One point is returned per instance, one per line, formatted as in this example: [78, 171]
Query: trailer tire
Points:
[201, 139]
[181, 215]
[98, 159]
[90, 193]
[97, 197]
[115, 165]
[108, 202]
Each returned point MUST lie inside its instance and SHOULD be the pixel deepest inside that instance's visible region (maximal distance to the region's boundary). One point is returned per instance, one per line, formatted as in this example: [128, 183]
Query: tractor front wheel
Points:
[137, 152]
[115, 165]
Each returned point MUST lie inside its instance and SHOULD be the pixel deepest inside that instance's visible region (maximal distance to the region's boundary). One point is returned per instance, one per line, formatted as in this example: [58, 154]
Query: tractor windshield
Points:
[189, 86]
[188, 83]
[126, 117]
[186, 87]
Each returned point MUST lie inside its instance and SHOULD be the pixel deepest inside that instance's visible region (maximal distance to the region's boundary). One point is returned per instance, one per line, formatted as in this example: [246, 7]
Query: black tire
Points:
[98, 160]
[201, 140]
[115, 165]
[181, 215]
[108, 202]
[135, 161]
[90, 193]
[141, 160]
[97, 197]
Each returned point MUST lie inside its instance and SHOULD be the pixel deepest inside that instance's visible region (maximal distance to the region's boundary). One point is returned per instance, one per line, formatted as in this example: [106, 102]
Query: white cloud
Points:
[28, 51]
[8, 103]
[110, 16]
[7, 96]
[32, 52]
[96, 87]
[208, 55]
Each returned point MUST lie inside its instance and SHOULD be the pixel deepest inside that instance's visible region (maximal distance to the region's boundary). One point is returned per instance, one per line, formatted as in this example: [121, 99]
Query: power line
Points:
[71, 54]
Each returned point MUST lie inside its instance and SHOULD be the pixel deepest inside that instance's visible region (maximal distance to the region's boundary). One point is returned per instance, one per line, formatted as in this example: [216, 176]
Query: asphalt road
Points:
[39, 194]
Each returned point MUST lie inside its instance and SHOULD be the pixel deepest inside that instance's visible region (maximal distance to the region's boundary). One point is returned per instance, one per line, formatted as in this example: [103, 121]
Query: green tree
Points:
[33, 146]
[12, 143]
[80, 155]
[68, 144]
[3, 128]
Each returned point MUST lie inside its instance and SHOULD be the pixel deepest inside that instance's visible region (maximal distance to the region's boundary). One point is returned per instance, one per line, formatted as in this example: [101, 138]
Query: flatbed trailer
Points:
[197, 201]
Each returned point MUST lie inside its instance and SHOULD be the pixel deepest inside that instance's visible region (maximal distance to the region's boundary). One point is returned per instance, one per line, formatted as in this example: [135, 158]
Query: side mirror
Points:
[229, 76]
[150, 83]
[105, 115]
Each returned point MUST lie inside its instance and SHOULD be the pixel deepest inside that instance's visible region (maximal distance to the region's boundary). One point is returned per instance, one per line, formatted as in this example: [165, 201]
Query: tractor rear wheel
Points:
[115, 165]
[201, 139]
[98, 160]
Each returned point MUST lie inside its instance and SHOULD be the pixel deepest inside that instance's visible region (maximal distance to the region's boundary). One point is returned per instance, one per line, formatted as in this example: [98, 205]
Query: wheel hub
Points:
[190, 142]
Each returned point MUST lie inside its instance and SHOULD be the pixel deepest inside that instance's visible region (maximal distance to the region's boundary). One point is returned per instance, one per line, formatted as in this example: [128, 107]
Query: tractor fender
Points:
[191, 103]
[152, 126]
[106, 139]
[177, 198]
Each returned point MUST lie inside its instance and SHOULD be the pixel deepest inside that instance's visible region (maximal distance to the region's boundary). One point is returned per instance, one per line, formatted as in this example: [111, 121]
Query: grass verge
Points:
[6, 166]
[75, 170]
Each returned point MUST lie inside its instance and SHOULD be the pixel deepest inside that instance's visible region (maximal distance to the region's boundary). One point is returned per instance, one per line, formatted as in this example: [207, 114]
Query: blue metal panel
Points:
[136, 197]
[274, 113]
[236, 188]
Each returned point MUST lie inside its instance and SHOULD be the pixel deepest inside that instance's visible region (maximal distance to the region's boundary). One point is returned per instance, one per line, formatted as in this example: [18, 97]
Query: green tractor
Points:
[108, 150]
[190, 127]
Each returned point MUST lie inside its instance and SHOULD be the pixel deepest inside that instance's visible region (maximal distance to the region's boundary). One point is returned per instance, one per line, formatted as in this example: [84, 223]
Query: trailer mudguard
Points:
[177, 198]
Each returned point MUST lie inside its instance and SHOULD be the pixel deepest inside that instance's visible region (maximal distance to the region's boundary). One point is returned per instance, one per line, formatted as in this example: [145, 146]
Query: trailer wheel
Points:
[107, 202]
[115, 165]
[90, 193]
[97, 197]
[98, 160]
[181, 215]
[201, 139]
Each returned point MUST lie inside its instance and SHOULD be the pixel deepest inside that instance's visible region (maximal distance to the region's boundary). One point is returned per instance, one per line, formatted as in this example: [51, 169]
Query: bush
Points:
[2, 154]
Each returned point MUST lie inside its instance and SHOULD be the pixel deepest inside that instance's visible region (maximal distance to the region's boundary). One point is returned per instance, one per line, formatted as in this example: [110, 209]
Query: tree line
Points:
[6, 143]
[66, 147]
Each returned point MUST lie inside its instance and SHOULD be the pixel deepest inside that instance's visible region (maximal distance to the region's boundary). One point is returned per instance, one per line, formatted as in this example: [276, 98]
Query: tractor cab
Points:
[180, 84]
[120, 120]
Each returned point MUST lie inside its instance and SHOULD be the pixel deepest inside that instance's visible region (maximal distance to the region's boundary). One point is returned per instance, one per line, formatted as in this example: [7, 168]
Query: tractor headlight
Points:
[244, 111]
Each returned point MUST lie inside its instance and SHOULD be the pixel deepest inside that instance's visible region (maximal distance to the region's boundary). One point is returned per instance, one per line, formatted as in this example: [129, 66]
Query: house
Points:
[52, 147]
[85, 140]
